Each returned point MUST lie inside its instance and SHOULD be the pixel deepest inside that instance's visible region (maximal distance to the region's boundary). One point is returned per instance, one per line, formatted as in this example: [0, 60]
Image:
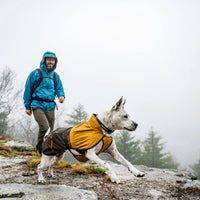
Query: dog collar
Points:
[106, 129]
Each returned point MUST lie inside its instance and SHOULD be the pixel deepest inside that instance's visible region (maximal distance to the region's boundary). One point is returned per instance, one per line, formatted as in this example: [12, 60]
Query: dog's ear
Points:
[124, 102]
[118, 105]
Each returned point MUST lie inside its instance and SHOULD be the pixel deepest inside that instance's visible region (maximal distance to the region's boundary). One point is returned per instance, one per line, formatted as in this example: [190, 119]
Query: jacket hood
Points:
[48, 54]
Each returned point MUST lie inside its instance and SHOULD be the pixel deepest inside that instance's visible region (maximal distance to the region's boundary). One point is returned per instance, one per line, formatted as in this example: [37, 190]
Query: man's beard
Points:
[49, 67]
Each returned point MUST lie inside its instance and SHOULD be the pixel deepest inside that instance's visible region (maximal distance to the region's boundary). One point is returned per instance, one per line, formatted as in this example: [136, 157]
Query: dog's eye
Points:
[125, 116]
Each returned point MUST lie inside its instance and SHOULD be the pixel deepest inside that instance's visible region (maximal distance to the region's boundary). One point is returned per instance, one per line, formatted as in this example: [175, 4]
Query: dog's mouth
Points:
[133, 127]
[128, 129]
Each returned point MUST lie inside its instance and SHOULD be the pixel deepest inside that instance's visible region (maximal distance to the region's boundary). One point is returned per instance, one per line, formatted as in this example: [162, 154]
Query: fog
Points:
[146, 51]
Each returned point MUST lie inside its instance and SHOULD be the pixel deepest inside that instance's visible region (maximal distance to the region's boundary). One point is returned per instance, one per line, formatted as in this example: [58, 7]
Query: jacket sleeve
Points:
[59, 88]
[28, 89]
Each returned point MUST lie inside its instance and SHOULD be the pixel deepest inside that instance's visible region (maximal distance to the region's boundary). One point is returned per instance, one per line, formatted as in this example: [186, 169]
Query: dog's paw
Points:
[139, 174]
[51, 175]
[41, 180]
[114, 179]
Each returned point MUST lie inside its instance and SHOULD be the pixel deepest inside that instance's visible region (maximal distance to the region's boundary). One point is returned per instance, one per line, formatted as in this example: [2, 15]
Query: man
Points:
[42, 86]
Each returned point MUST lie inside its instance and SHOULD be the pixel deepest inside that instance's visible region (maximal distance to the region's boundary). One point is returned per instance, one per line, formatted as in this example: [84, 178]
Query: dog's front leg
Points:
[91, 155]
[117, 156]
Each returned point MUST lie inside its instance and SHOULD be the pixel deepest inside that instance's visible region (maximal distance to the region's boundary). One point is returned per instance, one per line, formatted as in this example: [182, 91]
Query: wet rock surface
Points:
[156, 184]
[19, 144]
[18, 181]
[45, 192]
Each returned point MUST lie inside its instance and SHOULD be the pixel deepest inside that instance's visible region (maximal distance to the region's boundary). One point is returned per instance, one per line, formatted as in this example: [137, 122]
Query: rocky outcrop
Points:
[19, 144]
[44, 192]
[21, 181]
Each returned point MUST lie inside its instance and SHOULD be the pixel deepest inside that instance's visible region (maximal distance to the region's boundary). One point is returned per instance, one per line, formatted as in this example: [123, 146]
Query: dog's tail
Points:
[46, 134]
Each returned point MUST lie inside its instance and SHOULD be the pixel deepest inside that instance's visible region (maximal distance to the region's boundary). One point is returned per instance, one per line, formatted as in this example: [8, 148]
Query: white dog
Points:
[87, 140]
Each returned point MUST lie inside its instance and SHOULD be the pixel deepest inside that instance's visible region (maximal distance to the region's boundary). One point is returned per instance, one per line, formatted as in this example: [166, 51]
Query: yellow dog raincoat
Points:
[80, 138]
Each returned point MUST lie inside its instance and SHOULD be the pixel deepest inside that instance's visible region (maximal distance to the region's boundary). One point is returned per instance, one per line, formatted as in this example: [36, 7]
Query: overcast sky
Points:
[145, 50]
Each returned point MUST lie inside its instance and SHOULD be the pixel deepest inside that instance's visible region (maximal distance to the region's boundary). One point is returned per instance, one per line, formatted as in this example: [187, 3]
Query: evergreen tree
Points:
[153, 155]
[3, 122]
[128, 146]
[196, 169]
[78, 116]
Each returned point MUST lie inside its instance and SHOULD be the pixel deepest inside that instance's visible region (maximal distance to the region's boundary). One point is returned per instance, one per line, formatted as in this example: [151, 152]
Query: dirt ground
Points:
[130, 188]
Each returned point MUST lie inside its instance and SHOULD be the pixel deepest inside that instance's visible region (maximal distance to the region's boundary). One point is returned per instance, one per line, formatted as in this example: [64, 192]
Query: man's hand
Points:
[28, 112]
[61, 99]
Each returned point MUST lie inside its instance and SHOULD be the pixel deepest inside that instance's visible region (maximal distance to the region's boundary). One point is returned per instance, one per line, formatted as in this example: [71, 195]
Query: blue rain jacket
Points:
[45, 90]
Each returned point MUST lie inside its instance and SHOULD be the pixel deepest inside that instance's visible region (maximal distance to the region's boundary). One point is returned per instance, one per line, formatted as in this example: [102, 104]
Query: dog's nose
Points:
[135, 124]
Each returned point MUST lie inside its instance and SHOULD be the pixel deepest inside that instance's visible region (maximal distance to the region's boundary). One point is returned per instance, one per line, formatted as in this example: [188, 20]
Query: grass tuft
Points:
[5, 148]
[12, 151]
[97, 170]
[4, 138]
[33, 162]
[4, 153]
[80, 169]
[63, 164]
[86, 169]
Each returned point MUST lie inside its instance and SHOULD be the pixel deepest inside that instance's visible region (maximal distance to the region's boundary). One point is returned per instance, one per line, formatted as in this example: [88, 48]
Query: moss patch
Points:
[97, 170]
[12, 195]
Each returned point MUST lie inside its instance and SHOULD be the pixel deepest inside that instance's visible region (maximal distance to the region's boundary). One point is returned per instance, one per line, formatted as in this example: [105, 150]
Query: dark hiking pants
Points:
[45, 120]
